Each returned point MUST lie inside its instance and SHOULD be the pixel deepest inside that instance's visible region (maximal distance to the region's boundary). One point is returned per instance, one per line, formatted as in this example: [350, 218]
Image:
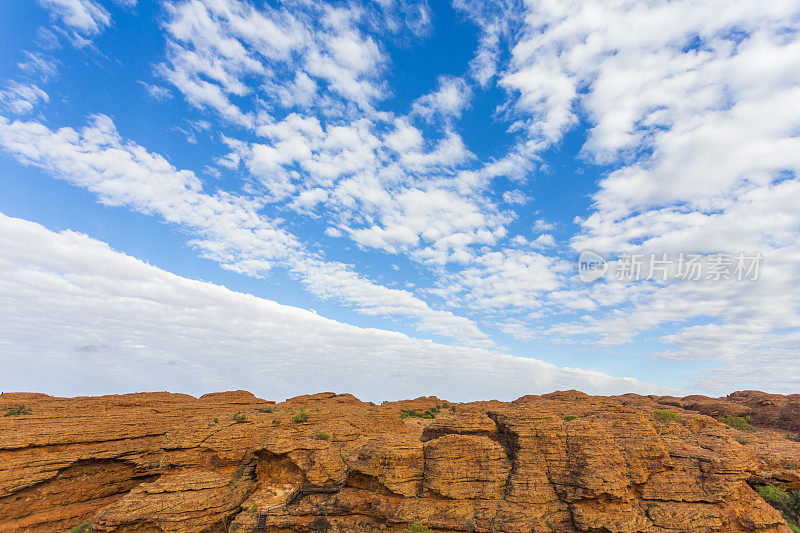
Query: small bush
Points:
[268, 409]
[216, 420]
[81, 528]
[787, 502]
[276, 421]
[239, 418]
[741, 440]
[17, 410]
[665, 416]
[300, 418]
[793, 438]
[417, 527]
[427, 414]
[321, 435]
[569, 418]
[737, 422]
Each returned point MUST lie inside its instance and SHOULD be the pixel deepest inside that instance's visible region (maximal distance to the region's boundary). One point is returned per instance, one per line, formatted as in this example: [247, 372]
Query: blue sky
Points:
[424, 169]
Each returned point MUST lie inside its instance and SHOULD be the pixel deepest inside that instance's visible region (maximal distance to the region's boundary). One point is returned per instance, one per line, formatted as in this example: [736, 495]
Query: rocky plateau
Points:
[560, 462]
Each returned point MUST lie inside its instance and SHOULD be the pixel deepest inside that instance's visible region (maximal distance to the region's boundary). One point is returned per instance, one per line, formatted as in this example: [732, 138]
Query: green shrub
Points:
[321, 435]
[300, 418]
[793, 438]
[239, 418]
[267, 409]
[276, 421]
[16, 410]
[787, 502]
[216, 420]
[737, 422]
[569, 418]
[411, 413]
[81, 528]
[417, 527]
[741, 440]
[665, 416]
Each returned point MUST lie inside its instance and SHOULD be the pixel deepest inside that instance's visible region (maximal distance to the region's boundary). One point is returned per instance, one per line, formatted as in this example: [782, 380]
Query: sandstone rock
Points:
[560, 462]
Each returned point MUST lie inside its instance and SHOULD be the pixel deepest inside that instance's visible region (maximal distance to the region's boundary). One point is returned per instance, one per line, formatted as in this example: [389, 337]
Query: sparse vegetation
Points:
[469, 525]
[300, 418]
[787, 502]
[568, 418]
[276, 421]
[267, 409]
[742, 423]
[506, 449]
[417, 527]
[428, 413]
[665, 416]
[741, 440]
[216, 420]
[321, 435]
[239, 418]
[793, 438]
[17, 410]
[81, 528]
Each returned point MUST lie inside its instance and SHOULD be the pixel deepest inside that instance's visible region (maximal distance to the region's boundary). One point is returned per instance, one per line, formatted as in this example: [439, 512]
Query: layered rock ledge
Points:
[561, 462]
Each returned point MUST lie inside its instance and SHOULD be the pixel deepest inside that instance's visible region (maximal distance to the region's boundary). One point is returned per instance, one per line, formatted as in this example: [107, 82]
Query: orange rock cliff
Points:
[561, 462]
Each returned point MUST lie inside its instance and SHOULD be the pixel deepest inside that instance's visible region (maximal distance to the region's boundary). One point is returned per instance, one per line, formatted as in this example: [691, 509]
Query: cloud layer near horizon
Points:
[83, 319]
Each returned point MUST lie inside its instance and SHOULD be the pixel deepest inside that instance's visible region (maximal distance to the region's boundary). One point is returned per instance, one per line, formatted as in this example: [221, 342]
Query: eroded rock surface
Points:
[561, 462]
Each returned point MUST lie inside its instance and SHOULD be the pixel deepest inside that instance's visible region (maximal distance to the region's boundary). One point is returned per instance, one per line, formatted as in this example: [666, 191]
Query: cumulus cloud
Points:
[449, 99]
[227, 227]
[83, 319]
[82, 16]
[690, 103]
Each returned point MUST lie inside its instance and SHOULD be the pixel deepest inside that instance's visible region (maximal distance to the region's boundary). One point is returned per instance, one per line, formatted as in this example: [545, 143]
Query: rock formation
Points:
[561, 462]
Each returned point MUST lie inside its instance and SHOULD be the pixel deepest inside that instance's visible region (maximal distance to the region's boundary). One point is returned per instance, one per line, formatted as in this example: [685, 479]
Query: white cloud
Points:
[21, 99]
[505, 279]
[38, 66]
[228, 228]
[449, 99]
[693, 103]
[83, 16]
[229, 48]
[81, 319]
[516, 197]
[156, 92]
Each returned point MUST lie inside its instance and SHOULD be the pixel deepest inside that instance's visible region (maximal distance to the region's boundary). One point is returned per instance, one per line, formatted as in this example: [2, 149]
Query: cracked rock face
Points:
[561, 462]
